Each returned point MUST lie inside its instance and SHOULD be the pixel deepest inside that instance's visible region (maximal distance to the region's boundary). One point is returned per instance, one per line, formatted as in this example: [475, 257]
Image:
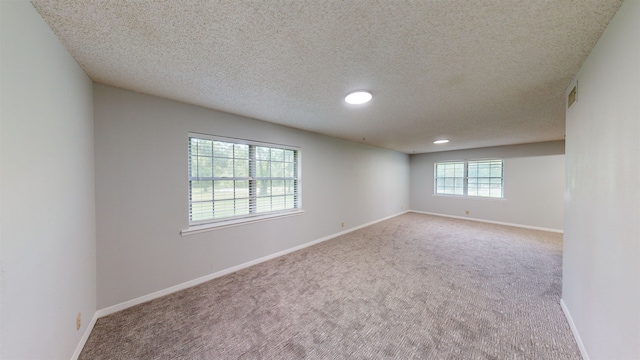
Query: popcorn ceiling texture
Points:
[481, 73]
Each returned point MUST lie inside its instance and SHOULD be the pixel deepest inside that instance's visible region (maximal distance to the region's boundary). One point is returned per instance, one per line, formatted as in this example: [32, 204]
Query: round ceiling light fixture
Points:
[358, 97]
[443, 141]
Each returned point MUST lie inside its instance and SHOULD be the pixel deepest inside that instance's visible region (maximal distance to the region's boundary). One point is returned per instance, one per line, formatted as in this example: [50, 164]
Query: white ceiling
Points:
[480, 73]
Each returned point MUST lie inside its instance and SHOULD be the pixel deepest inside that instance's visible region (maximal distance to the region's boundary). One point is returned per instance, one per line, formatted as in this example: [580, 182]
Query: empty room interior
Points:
[320, 179]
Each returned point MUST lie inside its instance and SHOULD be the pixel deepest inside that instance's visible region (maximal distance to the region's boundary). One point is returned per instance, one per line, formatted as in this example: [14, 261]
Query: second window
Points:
[482, 178]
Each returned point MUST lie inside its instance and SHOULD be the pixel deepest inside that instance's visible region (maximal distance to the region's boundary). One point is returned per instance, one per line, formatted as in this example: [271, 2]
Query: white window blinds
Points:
[482, 178]
[231, 178]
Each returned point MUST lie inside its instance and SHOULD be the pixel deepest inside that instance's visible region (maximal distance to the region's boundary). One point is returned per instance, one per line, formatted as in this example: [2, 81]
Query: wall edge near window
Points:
[197, 229]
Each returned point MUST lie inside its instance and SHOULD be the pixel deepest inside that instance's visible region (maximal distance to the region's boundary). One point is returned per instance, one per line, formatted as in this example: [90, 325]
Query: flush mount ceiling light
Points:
[443, 141]
[358, 97]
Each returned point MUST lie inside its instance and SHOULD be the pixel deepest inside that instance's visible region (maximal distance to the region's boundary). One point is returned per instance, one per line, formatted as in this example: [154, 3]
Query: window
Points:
[450, 178]
[231, 178]
[484, 178]
[481, 178]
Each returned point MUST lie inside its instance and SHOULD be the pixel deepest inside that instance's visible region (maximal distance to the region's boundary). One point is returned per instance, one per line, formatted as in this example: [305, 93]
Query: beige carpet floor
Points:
[412, 287]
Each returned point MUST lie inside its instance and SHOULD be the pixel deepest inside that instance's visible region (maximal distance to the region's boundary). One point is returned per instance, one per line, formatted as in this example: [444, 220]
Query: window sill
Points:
[465, 197]
[196, 229]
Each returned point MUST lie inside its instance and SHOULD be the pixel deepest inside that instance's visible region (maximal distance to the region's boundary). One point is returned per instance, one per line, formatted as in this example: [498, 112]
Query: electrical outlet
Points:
[402, 207]
[78, 321]
[342, 224]
[466, 212]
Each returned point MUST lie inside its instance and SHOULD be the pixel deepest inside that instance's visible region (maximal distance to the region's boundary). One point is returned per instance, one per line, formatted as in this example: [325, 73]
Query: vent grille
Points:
[573, 96]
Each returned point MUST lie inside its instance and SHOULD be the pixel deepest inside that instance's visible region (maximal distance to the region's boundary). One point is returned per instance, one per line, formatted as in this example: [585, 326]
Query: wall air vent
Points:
[573, 96]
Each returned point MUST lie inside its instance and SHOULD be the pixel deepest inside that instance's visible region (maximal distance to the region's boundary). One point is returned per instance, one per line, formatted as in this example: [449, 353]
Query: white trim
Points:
[85, 337]
[491, 222]
[197, 229]
[469, 197]
[142, 299]
[574, 330]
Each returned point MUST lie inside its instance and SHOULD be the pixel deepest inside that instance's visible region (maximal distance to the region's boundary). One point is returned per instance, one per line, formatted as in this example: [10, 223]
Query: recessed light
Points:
[358, 97]
[443, 141]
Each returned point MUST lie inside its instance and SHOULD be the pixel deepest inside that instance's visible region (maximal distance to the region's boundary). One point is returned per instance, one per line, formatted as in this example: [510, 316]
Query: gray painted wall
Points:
[533, 185]
[47, 262]
[141, 193]
[601, 266]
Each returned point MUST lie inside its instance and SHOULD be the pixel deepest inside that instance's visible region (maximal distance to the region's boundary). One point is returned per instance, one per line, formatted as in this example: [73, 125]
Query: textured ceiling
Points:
[480, 73]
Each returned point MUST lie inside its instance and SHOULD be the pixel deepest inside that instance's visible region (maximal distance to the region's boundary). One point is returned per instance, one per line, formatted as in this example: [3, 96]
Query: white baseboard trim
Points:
[490, 221]
[85, 337]
[142, 299]
[583, 350]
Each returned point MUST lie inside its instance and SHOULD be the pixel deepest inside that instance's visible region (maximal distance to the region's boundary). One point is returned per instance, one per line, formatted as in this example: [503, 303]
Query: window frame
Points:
[253, 214]
[466, 177]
